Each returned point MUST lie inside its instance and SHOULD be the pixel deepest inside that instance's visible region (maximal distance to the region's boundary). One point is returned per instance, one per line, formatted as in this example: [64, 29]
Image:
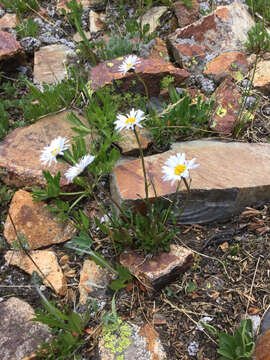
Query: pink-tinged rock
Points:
[34, 222]
[151, 70]
[185, 15]
[231, 176]
[19, 335]
[130, 342]
[160, 270]
[85, 3]
[94, 281]
[9, 47]
[223, 30]
[96, 21]
[262, 348]
[49, 270]
[20, 151]
[227, 104]
[8, 21]
[49, 63]
[128, 142]
[231, 63]
[262, 76]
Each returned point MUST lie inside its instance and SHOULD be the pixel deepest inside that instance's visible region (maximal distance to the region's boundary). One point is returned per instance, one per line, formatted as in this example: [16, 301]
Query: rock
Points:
[159, 50]
[266, 322]
[185, 15]
[125, 340]
[256, 321]
[221, 186]
[77, 37]
[156, 272]
[223, 30]
[49, 63]
[19, 336]
[34, 222]
[20, 151]
[151, 70]
[8, 21]
[262, 76]
[227, 105]
[152, 16]
[9, 47]
[94, 281]
[96, 21]
[85, 3]
[262, 348]
[128, 142]
[30, 44]
[232, 63]
[46, 262]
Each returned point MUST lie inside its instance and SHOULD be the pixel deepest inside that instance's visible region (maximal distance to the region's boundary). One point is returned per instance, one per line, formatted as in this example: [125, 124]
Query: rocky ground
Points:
[217, 269]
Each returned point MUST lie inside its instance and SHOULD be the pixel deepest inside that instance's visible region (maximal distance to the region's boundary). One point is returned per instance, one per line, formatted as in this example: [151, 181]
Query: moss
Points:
[117, 338]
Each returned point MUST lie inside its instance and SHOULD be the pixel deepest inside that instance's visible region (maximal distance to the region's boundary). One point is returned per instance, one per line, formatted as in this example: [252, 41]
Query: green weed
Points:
[260, 6]
[27, 27]
[20, 7]
[258, 39]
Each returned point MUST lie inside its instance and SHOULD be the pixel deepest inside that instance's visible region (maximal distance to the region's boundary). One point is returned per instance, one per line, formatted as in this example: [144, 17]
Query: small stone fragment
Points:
[77, 37]
[19, 336]
[47, 263]
[128, 142]
[85, 3]
[157, 272]
[9, 47]
[262, 76]
[96, 21]
[94, 281]
[152, 16]
[49, 63]
[34, 222]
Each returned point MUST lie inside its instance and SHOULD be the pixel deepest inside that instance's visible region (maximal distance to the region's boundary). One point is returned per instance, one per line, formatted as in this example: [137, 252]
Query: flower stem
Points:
[172, 203]
[145, 87]
[143, 164]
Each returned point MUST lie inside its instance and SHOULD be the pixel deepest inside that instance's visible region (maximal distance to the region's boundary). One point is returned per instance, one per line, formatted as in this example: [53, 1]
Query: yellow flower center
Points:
[55, 151]
[130, 120]
[129, 65]
[179, 169]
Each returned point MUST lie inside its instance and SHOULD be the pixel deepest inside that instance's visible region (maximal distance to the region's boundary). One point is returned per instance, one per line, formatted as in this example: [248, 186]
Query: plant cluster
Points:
[20, 7]
[27, 27]
[261, 7]
[258, 39]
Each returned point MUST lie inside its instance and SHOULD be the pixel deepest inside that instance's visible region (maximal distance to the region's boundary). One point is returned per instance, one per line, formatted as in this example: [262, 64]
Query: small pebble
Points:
[193, 348]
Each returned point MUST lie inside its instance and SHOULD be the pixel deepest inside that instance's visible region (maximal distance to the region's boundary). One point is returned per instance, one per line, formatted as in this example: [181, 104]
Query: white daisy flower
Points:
[128, 64]
[79, 167]
[56, 147]
[130, 120]
[177, 167]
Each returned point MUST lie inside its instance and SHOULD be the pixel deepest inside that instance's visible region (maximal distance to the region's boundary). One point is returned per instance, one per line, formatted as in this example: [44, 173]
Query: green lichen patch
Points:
[116, 338]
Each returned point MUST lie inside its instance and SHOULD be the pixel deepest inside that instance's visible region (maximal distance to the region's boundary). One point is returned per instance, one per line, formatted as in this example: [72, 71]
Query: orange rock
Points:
[128, 142]
[47, 263]
[37, 224]
[8, 21]
[233, 63]
[262, 348]
[262, 75]
[152, 70]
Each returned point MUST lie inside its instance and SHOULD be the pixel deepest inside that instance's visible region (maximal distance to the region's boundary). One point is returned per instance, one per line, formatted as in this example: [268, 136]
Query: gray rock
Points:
[250, 101]
[193, 348]
[30, 43]
[19, 336]
[205, 7]
[2, 12]
[208, 86]
[266, 322]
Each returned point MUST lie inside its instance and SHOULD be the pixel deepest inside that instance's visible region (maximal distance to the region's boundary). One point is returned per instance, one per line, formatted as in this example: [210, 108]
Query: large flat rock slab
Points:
[223, 30]
[19, 336]
[152, 70]
[34, 222]
[20, 151]
[231, 175]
